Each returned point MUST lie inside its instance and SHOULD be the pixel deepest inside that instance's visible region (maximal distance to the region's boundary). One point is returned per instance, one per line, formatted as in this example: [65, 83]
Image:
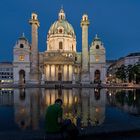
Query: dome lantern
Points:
[61, 14]
[61, 26]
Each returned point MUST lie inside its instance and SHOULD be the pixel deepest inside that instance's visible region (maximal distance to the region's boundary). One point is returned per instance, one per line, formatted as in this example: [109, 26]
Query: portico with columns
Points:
[59, 72]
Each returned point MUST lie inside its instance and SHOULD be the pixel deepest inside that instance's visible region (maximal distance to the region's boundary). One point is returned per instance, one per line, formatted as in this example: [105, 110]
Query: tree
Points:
[136, 73]
[130, 72]
[121, 73]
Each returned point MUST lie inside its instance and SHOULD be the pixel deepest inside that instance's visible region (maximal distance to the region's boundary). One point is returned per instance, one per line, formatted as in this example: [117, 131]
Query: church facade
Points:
[61, 61]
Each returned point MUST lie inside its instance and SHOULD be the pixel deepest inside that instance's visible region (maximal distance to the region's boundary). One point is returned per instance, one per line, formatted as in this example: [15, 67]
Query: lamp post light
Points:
[110, 78]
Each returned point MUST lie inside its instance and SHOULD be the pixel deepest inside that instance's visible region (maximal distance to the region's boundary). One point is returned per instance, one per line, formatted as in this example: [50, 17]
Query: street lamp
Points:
[110, 78]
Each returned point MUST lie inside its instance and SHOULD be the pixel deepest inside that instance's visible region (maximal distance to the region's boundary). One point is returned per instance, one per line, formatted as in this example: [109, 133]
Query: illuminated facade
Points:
[6, 72]
[60, 61]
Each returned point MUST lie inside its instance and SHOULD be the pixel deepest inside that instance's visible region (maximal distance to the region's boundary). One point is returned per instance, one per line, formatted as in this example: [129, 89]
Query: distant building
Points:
[109, 63]
[6, 72]
[60, 61]
[130, 59]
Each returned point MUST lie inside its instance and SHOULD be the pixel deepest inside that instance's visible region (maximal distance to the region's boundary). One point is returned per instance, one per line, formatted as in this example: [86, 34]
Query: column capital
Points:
[34, 20]
[85, 20]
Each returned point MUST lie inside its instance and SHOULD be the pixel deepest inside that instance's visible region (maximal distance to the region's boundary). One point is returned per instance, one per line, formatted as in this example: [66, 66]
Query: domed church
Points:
[60, 62]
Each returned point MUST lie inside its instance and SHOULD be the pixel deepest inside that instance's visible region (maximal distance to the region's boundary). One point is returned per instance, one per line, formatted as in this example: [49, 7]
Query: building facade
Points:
[129, 60]
[6, 72]
[60, 61]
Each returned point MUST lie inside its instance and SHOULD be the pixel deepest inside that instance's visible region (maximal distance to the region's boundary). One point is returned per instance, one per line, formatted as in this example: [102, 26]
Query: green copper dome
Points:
[61, 26]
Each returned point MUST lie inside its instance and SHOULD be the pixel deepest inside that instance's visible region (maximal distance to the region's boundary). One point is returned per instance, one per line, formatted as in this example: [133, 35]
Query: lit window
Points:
[72, 47]
[97, 58]
[21, 58]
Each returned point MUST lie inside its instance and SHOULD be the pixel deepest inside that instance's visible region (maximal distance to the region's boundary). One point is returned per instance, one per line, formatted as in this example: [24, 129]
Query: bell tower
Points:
[34, 74]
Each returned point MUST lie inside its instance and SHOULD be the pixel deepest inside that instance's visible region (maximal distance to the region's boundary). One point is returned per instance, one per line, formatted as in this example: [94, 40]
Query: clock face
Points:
[21, 57]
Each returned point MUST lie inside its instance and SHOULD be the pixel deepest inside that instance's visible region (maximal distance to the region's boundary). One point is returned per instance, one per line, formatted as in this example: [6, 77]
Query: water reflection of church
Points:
[84, 105]
[61, 61]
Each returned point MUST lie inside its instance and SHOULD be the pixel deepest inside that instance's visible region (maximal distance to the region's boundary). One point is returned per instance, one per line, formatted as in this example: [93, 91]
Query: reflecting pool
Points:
[25, 108]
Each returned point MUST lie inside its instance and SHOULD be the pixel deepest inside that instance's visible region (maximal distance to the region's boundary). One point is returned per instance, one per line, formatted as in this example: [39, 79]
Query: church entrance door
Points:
[21, 77]
[97, 77]
[59, 76]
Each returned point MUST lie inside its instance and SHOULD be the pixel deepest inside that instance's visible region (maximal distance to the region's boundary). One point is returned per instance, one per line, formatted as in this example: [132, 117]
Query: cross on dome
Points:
[23, 35]
[96, 36]
[61, 6]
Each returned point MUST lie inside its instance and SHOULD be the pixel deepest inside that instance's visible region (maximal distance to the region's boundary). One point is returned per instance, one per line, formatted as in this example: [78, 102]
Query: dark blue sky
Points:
[117, 22]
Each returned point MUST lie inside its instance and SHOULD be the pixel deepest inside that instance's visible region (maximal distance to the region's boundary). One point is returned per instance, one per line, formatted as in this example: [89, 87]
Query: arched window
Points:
[21, 46]
[97, 47]
[60, 45]
[72, 47]
[60, 30]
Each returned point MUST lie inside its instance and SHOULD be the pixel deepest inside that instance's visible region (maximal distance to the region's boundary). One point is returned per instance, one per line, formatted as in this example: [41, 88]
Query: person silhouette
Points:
[53, 118]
